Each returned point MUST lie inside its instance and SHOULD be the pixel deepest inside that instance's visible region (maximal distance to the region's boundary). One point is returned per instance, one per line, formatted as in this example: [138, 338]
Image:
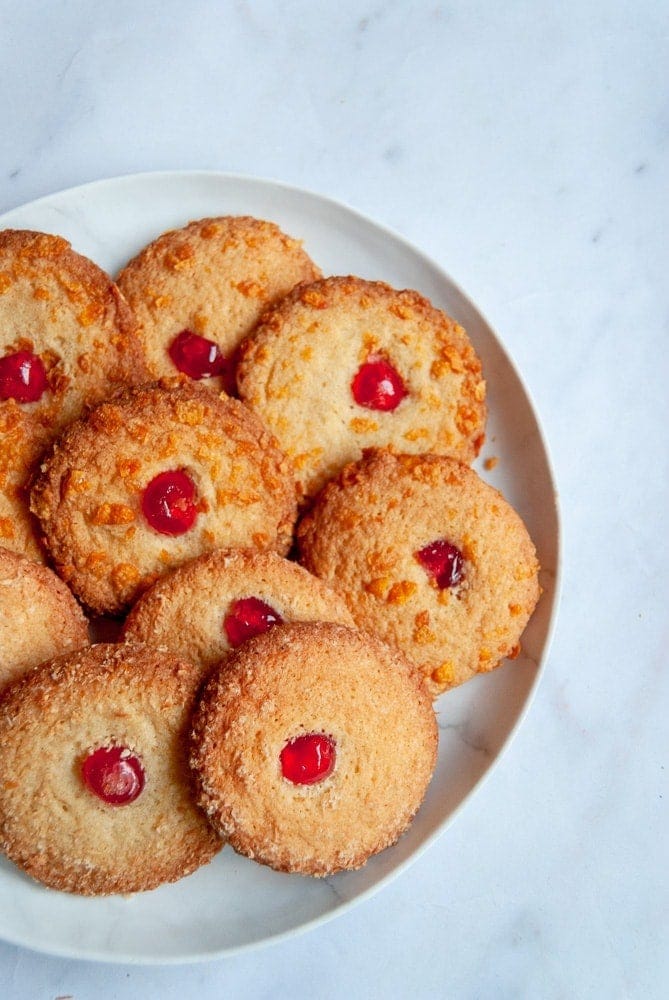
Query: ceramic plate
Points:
[233, 903]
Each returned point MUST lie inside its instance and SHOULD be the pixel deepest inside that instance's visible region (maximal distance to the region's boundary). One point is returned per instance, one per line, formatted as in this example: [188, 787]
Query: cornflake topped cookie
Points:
[214, 603]
[198, 291]
[153, 478]
[95, 791]
[39, 617]
[67, 339]
[429, 557]
[345, 364]
[312, 747]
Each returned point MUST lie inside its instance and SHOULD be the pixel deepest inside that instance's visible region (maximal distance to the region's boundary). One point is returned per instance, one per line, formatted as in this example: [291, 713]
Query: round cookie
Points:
[198, 291]
[212, 604]
[95, 791]
[313, 746]
[429, 557]
[39, 617]
[154, 477]
[345, 364]
[67, 339]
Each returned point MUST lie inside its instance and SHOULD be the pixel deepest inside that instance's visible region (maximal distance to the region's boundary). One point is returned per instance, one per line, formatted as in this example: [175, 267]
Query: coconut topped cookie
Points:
[39, 617]
[312, 747]
[157, 476]
[345, 364]
[67, 339]
[429, 557]
[212, 604]
[95, 790]
[198, 291]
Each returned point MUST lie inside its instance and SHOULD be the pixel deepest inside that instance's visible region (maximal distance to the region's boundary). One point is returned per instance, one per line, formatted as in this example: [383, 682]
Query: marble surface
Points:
[524, 147]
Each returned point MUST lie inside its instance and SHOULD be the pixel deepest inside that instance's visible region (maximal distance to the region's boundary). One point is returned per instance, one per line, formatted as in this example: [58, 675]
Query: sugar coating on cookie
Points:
[198, 291]
[154, 477]
[76, 734]
[313, 746]
[345, 364]
[429, 557]
[39, 617]
[67, 339]
[213, 603]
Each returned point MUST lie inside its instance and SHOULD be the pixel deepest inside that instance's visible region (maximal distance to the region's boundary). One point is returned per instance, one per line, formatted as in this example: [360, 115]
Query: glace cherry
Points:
[444, 561]
[22, 377]
[378, 385]
[308, 759]
[199, 358]
[247, 617]
[114, 774]
[168, 503]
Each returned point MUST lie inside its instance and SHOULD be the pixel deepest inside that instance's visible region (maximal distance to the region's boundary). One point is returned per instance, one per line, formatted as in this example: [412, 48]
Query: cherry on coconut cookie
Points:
[344, 364]
[39, 617]
[67, 339]
[95, 790]
[153, 478]
[198, 291]
[312, 746]
[429, 557]
[213, 604]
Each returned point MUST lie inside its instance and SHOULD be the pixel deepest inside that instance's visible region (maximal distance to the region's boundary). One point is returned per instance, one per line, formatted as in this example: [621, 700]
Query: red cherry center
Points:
[22, 377]
[198, 358]
[168, 503]
[444, 561]
[247, 617]
[378, 385]
[114, 774]
[308, 759]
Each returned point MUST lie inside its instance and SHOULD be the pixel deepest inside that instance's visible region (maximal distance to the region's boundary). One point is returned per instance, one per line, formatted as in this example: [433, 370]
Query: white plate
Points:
[233, 904]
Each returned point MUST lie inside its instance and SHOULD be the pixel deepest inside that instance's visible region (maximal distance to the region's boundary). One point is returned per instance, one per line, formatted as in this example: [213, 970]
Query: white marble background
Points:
[525, 147]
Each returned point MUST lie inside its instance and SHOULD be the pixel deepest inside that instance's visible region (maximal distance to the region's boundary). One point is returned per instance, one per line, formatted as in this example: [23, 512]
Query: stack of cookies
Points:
[262, 475]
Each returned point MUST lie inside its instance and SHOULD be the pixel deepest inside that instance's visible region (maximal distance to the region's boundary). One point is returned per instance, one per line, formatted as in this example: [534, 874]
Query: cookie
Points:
[312, 747]
[39, 617]
[198, 291]
[67, 339]
[429, 557]
[214, 603]
[345, 364]
[95, 791]
[155, 477]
